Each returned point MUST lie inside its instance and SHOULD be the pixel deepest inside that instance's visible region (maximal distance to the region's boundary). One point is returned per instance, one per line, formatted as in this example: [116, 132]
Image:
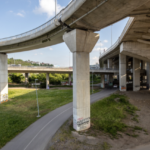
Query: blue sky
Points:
[18, 16]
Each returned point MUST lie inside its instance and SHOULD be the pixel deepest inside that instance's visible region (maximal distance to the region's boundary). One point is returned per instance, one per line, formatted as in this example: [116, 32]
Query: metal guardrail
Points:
[43, 26]
[120, 38]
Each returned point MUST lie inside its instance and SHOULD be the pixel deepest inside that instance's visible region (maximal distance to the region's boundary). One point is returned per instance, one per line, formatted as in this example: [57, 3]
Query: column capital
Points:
[80, 40]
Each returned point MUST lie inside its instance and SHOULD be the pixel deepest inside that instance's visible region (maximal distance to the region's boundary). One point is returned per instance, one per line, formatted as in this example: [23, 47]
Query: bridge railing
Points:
[37, 67]
[106, 69]
[43, 26]
[120, 38]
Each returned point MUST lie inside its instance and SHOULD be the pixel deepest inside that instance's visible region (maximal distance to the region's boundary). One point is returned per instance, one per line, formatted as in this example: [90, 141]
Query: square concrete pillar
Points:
[26, 77]
[47, 81]
[122, 72]
[102, 81]
[3, 78]
[111, 78]
[105, 66]
[136, 74]
[109, 63]
[148, 74]
[81, 44]
[69, 79]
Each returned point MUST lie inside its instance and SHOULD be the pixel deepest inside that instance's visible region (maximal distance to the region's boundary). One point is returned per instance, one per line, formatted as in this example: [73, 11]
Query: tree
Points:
[16, 77]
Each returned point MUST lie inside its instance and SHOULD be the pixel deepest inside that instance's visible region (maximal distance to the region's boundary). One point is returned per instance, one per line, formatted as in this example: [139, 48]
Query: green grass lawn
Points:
[21, 111]
[108, 114]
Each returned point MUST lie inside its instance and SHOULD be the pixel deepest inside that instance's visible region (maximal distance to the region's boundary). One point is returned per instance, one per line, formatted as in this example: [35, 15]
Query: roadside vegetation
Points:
[110, 119]
[25, 63]
[108, 115]
[21, 109]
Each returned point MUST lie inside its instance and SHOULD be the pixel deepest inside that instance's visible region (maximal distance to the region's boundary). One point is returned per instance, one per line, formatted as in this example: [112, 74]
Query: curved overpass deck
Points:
[79, 14]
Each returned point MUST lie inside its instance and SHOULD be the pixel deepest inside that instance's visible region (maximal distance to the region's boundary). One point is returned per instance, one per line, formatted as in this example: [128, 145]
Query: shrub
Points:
[16, 77]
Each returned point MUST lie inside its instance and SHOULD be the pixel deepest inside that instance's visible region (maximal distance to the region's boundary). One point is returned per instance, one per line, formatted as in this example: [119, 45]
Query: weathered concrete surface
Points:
[81, 43]
[136, 74]
[136, 30]
[3, 78]
[122, 72]
[137, 50]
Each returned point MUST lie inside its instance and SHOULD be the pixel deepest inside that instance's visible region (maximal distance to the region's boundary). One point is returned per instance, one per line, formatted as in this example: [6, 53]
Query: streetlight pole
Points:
[111, 35]
[37, 99]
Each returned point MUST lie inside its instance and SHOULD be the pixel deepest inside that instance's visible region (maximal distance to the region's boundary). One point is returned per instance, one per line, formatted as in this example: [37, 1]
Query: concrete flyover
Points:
[131, 52]
[30, 69]
[75, 25]
[47, 70]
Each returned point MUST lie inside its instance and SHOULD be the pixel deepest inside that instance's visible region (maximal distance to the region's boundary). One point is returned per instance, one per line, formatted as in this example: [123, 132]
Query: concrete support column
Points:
[105, 66]
[136, 74]
[109, 63]
[26, 77]
[144, 65]
[122, 72]
[148, 74]
[111, 78]
[102, 81]
[81, 44]
[69, 79]
[3, 78]
[47, 81]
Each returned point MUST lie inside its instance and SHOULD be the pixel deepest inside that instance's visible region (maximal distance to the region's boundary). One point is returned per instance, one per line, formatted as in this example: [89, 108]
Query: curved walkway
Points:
[38, 135]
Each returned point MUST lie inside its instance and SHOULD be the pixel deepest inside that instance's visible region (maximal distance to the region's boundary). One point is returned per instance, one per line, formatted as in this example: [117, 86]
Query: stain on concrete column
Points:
[81, 43]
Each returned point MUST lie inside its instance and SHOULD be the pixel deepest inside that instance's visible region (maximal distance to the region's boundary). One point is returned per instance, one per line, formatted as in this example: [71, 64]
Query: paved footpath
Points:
[38, 135]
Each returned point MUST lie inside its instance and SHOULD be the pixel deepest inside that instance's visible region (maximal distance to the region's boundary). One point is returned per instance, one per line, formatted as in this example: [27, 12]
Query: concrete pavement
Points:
[38, 135]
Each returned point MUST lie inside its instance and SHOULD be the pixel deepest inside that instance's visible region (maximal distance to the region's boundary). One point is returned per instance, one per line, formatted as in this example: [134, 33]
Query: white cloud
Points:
[20, 14]
[50, 49]
[48, 7]
[99, 44]
[95, 60]
[105, 41]
[41, 53]
[35, 54]
[101, 49]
